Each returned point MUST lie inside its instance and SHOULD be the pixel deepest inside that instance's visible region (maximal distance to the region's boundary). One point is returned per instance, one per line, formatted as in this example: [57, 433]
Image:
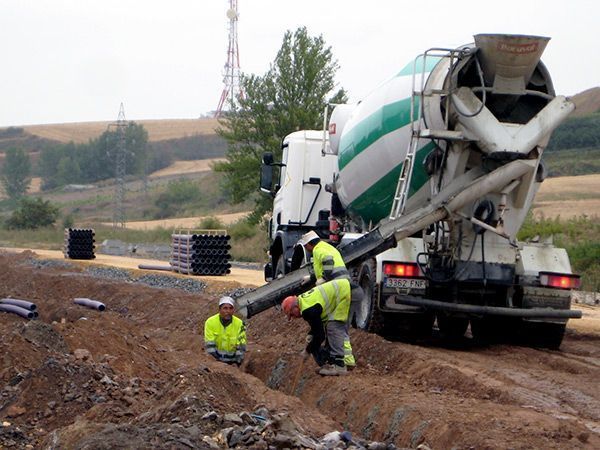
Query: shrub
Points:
[32, 213]
[211, 223]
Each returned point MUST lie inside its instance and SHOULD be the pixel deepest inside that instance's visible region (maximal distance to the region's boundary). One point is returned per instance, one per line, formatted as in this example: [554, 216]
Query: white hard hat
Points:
[226, 301]
[308, 237]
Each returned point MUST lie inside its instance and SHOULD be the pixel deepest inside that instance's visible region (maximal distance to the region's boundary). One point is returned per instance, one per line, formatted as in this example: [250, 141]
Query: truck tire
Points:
[487, 330]
[452, 327]
[545, 335]
[365, 315]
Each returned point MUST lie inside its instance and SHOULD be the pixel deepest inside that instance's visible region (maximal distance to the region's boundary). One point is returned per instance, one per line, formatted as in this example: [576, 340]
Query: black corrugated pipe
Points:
[17, 310]
[94, 304]
[20, 303]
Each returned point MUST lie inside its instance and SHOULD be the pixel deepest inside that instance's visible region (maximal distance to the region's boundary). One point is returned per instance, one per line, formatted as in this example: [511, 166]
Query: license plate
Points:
[405, 283]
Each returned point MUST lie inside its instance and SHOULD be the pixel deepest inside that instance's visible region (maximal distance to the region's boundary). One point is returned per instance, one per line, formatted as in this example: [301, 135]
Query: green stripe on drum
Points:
[417, 68]
[389, 118]
[376, 202]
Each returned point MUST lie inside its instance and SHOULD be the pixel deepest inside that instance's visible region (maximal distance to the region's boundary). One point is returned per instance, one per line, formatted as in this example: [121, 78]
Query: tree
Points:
[289, 97]
[15, 173]
[33, 213]
[94, 160]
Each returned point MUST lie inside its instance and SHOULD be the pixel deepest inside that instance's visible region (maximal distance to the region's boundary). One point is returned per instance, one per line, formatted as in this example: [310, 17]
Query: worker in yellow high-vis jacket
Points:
[326, 259]
[325, 308]
[225, 334]
[328, 265]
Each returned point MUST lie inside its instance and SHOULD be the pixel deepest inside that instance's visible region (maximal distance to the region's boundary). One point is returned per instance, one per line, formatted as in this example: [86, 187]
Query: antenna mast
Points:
[231, 71]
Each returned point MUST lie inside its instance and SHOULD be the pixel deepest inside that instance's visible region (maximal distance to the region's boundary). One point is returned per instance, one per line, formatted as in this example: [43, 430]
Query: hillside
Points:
[158, 130]
[587, 102]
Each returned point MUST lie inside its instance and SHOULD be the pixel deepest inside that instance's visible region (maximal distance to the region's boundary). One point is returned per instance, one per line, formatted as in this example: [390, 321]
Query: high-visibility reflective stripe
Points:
[328, 261]
[330, 305]
[340, 272]
[326, 300]
[348, 356]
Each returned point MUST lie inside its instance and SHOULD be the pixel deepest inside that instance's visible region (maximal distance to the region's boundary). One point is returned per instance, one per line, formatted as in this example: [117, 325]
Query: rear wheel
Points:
[364, 314]
[409, 326]
[486, 330]
[452, 327]
[547, 335]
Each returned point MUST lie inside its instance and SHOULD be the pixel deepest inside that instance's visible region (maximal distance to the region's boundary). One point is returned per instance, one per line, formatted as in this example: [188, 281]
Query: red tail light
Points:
[404, 270]
[560, 280]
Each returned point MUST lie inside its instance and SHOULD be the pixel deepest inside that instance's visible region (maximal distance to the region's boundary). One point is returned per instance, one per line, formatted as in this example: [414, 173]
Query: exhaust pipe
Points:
[93, 304]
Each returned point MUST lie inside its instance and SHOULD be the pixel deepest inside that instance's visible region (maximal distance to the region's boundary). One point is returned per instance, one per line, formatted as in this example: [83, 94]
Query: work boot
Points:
[333, 370]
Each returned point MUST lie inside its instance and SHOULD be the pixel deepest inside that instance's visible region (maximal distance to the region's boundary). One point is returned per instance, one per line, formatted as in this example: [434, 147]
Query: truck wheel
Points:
[365, 314]
[488, 330]
[546, 335]
[410, 326]
[452, 327]
[280, 267]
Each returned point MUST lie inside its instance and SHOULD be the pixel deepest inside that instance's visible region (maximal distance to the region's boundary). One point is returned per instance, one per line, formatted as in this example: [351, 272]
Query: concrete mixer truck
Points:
[423, 185]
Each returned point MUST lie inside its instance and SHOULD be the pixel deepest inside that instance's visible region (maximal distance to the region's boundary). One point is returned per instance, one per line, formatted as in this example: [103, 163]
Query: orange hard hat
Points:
[290, 306]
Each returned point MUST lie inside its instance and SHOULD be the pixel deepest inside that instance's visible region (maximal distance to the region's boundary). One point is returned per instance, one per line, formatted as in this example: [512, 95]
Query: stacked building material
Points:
[79, 243]
[205, 253]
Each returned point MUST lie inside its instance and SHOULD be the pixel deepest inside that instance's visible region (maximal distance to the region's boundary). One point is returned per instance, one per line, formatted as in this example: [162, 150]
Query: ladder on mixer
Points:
[416, 123]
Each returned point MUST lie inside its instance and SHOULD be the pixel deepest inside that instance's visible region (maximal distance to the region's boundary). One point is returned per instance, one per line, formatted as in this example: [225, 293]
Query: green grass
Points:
[572, 162]
[580, 236]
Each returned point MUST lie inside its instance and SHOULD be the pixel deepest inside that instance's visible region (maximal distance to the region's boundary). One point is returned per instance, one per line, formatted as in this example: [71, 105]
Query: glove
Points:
[320, 281]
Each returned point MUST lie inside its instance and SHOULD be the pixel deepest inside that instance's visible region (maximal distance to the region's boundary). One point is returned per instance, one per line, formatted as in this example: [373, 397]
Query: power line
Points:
[120, 167]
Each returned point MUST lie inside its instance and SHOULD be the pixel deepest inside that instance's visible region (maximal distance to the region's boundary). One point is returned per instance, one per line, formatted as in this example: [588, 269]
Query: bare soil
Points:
[146, 377]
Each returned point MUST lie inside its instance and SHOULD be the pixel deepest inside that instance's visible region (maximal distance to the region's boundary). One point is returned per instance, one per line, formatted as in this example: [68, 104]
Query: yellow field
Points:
[569, 197]
[183, 222]
[158, 130]
[181, 167]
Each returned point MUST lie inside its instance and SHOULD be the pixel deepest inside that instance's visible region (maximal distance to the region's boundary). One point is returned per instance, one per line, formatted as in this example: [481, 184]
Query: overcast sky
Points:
[77, 60]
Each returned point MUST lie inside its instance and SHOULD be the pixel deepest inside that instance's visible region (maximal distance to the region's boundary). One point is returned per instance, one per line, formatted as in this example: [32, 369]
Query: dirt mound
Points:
[135, 376]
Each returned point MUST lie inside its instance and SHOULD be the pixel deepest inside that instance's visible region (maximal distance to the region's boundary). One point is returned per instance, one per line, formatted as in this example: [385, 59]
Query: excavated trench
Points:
[410, 394]
[139, 366]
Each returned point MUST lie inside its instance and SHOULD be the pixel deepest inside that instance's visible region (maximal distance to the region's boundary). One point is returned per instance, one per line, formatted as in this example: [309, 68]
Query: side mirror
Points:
[266, 174]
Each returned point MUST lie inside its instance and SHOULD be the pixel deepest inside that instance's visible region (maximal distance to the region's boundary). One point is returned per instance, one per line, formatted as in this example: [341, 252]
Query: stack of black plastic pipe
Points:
[201, 254]
[79, 243]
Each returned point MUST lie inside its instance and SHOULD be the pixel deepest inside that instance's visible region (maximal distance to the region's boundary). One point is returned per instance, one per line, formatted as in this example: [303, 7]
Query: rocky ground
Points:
[135, 376]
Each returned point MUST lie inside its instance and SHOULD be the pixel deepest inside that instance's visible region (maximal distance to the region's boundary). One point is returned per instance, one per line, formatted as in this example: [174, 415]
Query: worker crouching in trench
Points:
[326, 309]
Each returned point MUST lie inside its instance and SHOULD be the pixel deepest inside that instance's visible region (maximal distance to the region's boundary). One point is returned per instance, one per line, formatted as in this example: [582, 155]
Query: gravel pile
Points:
[152, 280]
[165, 281]
[49, 263]
[111, 273]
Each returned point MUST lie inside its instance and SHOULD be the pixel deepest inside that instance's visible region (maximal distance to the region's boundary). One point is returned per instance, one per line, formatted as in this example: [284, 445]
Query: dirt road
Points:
[135, 374]
[250, 277]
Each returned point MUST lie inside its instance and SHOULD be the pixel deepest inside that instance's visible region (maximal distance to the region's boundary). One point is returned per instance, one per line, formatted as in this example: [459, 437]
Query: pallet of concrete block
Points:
[79, 243]
[201, 252]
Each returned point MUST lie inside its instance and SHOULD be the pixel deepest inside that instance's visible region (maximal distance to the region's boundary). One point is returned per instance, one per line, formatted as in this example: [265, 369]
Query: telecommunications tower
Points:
[120, 150]
[231, 73]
